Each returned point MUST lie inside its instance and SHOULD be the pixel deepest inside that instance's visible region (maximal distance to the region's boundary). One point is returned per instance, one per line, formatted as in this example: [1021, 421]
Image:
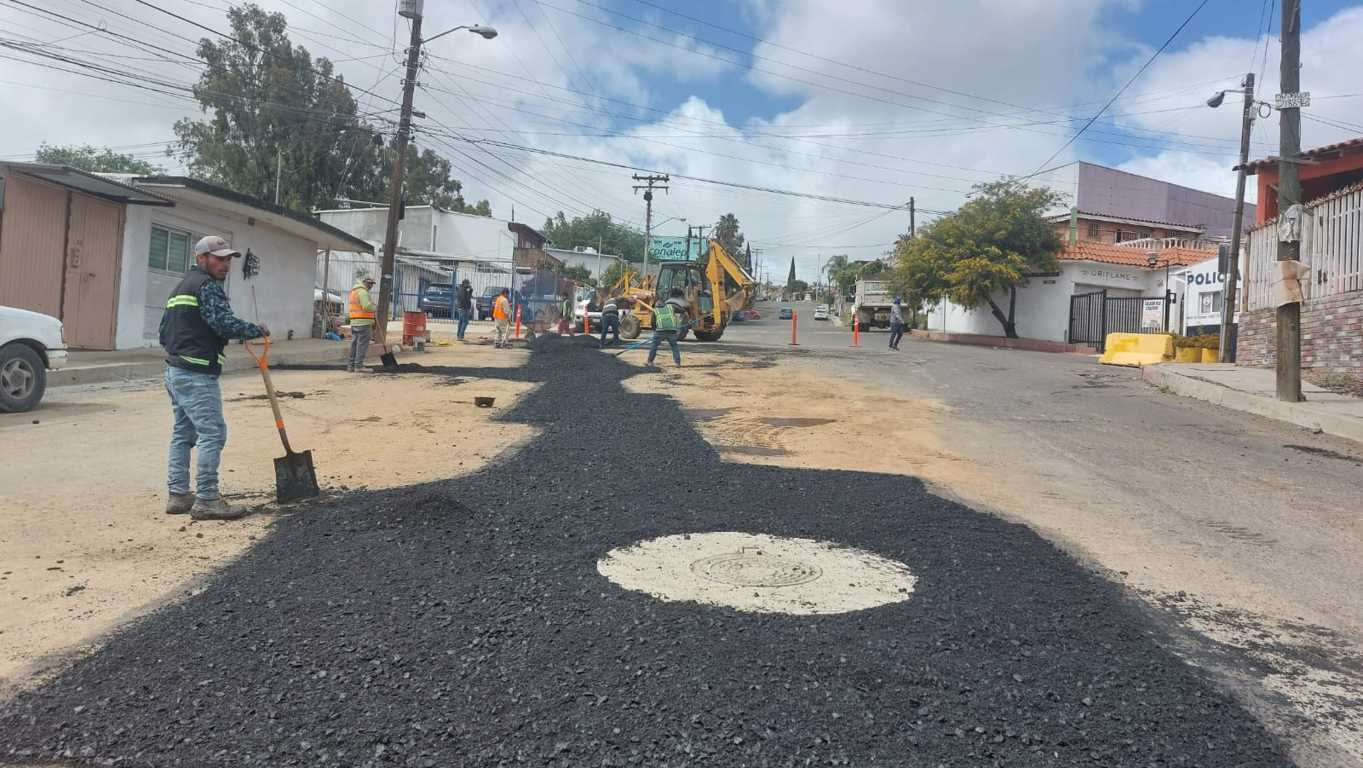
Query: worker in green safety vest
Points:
[668, 321]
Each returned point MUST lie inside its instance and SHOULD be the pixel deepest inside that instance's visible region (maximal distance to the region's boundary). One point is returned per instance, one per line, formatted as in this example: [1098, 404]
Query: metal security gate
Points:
[1094, 315]
[1087, 319]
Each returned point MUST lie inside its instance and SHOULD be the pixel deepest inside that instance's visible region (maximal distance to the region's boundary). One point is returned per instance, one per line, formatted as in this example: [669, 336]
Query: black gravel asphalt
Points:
[464, 623]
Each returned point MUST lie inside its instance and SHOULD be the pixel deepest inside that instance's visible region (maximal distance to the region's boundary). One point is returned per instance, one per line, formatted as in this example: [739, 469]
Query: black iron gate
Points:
[1094, 315]
[1088, 319]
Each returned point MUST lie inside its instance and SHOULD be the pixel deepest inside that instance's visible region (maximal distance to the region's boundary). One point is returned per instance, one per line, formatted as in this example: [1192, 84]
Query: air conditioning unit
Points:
[410, 9]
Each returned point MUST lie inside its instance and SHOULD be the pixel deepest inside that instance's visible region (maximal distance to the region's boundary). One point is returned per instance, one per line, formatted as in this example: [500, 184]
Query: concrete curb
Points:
[1315, 417]
[238, 360]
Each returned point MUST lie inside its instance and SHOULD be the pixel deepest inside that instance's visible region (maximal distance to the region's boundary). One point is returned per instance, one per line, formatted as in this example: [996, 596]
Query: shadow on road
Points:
[465, 623]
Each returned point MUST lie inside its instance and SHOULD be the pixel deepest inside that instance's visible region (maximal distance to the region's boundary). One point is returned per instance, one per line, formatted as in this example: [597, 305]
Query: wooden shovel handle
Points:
[262, 360]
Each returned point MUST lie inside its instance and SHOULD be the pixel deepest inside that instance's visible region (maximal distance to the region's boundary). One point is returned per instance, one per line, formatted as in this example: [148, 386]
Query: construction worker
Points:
[195, 329]
[610, 321]
[896, 323]
[668, 320]
[362, 315]
[501, 315]
[464, 305]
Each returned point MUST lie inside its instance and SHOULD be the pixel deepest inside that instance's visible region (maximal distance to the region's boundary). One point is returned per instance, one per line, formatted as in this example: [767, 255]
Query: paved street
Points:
[472, 620]
[1239, 527]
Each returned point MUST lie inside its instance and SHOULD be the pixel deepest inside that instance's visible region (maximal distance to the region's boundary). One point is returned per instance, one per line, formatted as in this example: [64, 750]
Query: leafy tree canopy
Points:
[270, 108]
[597, 230]
[95, 160]
[988, 247]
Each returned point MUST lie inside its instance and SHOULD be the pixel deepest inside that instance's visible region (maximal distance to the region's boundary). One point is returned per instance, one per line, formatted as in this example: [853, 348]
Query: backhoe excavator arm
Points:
[717, 267]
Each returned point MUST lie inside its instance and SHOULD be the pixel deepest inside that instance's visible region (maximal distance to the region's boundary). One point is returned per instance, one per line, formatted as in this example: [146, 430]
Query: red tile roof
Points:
[1107, 253]
[1310, 154]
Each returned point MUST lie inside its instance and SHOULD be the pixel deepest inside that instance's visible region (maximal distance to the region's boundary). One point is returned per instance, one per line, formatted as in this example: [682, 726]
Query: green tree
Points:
[919, 275]
[612, 274]
[270, 108]
[579, 273]
[990, 246]
[729, 235]
[93, 159]
[597, 230]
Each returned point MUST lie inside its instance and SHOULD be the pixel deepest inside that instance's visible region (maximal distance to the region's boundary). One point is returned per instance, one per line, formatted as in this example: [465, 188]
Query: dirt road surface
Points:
[85, 545]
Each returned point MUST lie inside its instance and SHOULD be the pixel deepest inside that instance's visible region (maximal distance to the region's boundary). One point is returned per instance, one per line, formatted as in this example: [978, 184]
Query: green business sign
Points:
[675, 248]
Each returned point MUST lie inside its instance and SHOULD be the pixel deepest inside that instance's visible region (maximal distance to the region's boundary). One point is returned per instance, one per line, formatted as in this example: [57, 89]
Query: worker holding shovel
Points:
[195, 329]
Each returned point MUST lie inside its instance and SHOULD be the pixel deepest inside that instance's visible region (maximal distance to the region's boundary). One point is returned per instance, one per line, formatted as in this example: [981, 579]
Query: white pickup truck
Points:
[31, 344]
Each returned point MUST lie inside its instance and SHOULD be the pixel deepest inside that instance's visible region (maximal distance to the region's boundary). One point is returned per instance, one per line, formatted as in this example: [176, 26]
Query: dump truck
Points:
[872, 303]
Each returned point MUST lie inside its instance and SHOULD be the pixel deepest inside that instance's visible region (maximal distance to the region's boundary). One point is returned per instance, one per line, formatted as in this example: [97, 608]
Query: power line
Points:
[1121, 90]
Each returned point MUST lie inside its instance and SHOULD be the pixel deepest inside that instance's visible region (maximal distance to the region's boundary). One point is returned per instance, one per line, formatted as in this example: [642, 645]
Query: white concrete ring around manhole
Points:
[757, 573]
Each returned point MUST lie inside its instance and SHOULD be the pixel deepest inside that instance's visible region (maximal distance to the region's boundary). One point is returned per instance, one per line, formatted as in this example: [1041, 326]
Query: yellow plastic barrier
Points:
[1137, 349]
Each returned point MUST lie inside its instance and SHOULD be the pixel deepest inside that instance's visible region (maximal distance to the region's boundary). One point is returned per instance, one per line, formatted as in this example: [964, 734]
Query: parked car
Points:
[784, 314]
[436, 300]
[751, 314]
[483, 304]
[821, 312]
[31, 344]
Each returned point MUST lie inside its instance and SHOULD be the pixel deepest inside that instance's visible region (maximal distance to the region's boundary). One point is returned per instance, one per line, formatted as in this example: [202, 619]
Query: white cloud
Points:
[907, 139]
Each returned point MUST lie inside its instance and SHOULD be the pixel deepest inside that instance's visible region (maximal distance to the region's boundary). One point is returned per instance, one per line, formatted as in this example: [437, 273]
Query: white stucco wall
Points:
[1043, 306]
[460, 235]
[283, 288]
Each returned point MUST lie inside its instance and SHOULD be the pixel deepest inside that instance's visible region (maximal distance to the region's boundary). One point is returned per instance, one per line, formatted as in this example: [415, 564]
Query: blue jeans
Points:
[671, 338]
[610, 325]
[463, 315]
[197, 403]
[896, 333]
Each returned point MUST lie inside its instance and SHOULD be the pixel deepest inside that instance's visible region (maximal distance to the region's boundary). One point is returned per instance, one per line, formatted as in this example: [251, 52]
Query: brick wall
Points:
[1331, 335]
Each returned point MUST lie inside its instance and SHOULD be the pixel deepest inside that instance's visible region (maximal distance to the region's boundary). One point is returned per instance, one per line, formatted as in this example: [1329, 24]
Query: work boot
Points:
[214, 509]
[179, 503]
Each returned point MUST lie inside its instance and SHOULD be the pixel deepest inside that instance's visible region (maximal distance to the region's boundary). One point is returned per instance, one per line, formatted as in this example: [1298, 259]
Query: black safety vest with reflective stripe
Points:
[190, 342]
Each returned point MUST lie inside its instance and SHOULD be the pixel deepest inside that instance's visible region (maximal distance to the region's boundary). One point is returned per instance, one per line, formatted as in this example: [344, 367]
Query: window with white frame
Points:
[169, 249]
[1209, 303]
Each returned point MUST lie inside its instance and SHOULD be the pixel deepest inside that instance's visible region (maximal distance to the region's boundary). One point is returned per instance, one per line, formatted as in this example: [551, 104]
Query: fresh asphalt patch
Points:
[466, 623]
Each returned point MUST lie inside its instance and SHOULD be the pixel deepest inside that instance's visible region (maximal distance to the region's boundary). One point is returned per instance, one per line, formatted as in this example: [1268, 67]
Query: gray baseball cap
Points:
[215, 246]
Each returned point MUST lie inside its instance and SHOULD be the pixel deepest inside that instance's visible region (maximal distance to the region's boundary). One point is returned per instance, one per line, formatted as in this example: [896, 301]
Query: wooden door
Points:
[90, 291]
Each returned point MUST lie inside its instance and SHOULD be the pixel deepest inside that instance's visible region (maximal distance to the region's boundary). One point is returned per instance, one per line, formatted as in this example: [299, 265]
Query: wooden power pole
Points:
[1232, 269]
[1289, 200]
[651, 182]
[390, 238]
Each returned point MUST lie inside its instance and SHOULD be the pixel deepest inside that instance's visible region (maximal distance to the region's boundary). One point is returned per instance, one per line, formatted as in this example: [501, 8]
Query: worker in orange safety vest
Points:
[501, 315]
[362, 316]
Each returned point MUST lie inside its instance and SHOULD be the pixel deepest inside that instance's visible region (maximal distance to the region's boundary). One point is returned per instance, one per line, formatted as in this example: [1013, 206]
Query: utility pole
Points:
[1227, 341]
[1289, 202]
[390, 238]
[650, 183]
[278, 172]
[913, 228]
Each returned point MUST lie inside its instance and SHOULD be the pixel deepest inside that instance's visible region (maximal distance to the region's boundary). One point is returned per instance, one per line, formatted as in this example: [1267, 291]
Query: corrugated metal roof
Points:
[1108, 253]
[84, 181]
[1310, 154]
[1059, 217]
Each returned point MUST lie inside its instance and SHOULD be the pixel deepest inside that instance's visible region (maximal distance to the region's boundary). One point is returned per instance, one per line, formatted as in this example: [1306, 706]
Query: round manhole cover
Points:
[754, 568]
[758, 573]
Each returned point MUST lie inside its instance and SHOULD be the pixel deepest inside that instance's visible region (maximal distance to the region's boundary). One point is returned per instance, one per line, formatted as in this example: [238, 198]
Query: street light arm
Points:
[487, 32]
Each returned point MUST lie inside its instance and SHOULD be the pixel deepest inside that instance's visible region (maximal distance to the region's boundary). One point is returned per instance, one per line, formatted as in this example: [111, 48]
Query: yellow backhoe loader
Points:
[715, 288]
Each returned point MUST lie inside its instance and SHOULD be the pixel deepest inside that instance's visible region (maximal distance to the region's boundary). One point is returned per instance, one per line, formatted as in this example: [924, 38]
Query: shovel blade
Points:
[294, 476]
[389, 360]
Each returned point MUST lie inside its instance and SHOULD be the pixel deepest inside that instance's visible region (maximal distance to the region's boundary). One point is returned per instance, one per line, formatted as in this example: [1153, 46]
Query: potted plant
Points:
[1211, 352]
[1186, 350]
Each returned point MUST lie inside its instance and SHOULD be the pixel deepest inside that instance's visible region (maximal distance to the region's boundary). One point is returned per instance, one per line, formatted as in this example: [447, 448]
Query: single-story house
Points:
[102, 252]
[1044, 305]
[597, 264]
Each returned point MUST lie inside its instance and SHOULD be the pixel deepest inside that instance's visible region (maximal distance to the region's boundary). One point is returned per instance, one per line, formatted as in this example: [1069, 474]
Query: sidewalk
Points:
[1253, 390]
[133, 364]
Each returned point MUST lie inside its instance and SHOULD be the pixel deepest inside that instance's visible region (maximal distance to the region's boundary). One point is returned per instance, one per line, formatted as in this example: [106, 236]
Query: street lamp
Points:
[478, 29]
[1226, 344]
[1152, 259]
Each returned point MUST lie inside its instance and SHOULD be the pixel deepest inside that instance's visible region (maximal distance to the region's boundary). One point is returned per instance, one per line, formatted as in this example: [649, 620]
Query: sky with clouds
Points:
[873, 101]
